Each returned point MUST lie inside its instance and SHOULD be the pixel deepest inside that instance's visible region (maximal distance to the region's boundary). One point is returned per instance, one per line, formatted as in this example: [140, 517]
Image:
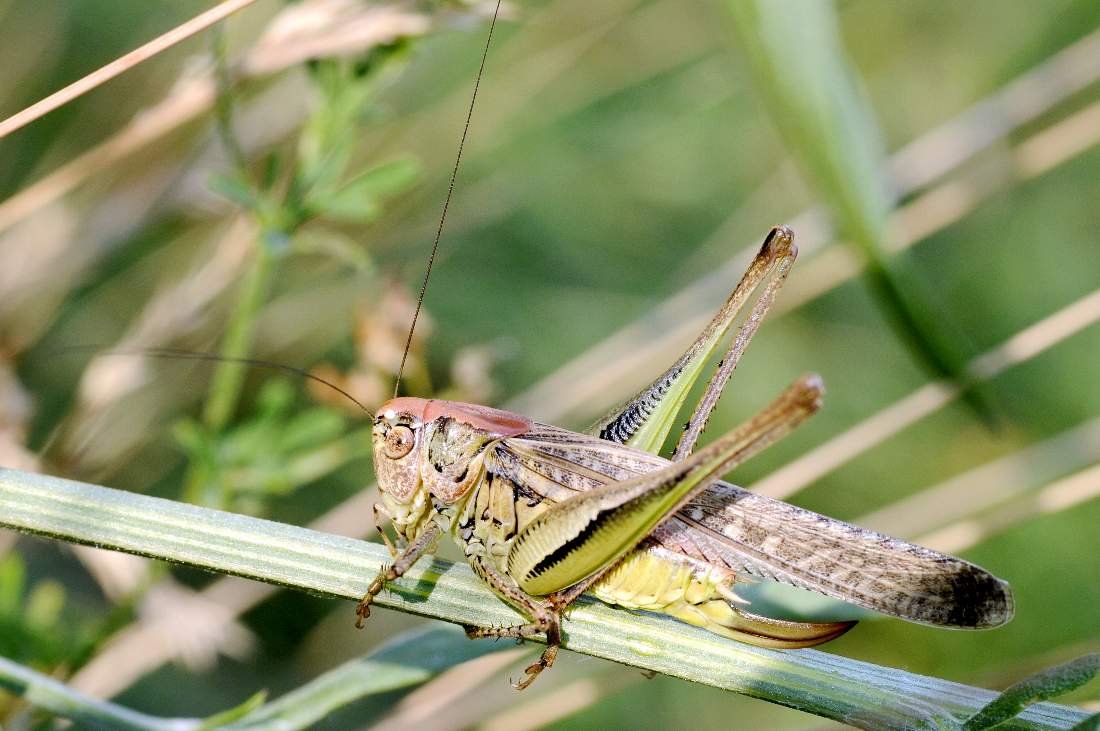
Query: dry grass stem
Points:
[928, 399]
[980, 488]
[122, 64]
[1055, 497]
[1018, 102]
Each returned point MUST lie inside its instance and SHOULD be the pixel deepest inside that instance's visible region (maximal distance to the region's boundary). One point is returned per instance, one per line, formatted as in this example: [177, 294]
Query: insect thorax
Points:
[434, 480]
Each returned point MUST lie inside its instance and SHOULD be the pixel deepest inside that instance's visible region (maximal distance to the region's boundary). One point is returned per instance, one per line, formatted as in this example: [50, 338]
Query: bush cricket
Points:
[544, 514]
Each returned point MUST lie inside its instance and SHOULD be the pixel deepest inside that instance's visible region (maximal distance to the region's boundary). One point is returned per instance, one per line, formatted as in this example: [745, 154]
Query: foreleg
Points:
[382, 518]
[423, 544]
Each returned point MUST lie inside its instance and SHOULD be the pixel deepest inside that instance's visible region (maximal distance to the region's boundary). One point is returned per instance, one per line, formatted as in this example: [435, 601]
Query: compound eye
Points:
[399, 442]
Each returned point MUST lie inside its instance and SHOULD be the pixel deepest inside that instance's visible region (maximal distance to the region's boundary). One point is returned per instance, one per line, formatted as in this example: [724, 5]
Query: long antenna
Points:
[446, 203]
[180, 354]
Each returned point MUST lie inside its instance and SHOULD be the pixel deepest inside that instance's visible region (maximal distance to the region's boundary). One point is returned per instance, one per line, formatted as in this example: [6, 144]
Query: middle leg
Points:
[545, 615]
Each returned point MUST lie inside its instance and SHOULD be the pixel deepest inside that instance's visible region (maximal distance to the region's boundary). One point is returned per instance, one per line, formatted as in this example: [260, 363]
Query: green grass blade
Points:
[1043, 685]
[815, 99]
[54, 696]
[861, 694]
[410, 659]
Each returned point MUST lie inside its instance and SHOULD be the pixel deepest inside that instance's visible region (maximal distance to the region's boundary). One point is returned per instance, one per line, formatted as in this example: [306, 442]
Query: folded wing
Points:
[755, 535]
[774, 540]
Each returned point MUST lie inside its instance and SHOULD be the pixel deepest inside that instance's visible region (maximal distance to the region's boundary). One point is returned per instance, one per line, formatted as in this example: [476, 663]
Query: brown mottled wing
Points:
[755, 535]
[774, 540]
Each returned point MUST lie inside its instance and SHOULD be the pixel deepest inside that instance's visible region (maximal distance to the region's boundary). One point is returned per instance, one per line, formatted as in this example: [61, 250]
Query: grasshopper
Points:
[544, 514]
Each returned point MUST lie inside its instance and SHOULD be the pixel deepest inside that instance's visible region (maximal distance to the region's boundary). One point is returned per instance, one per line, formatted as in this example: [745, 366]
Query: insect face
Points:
[397, 441]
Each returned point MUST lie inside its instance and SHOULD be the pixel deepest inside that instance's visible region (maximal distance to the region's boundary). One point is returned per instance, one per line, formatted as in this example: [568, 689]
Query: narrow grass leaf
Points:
[1046, 684]
[54, 696]
[815, 99]
[220, 720]
[853, 692]
[410, 659]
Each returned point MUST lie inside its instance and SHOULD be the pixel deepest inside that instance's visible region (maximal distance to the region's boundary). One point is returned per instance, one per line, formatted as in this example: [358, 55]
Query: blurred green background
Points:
[623, 162]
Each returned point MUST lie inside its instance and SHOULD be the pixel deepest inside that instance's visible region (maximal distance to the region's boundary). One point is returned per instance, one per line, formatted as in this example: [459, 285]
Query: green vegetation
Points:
[271, 191]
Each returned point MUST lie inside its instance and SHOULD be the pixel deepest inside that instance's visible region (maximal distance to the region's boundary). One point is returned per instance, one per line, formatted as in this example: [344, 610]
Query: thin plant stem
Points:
[858, 693]
[225, 388]
[223, 101]
[46, 692]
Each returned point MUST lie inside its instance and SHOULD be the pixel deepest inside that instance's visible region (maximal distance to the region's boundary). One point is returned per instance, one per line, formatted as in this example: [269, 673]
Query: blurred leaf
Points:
[12, 576]
[237, 190]
[334, 245]
[275, 399]
[360, 199]
[33, 626]
[257, 457]
[328, 138]
[311, 428]
[191, 437]
[1041, 686]
[271, 168]
[386, 179]
[44, 605]
[814, 97]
